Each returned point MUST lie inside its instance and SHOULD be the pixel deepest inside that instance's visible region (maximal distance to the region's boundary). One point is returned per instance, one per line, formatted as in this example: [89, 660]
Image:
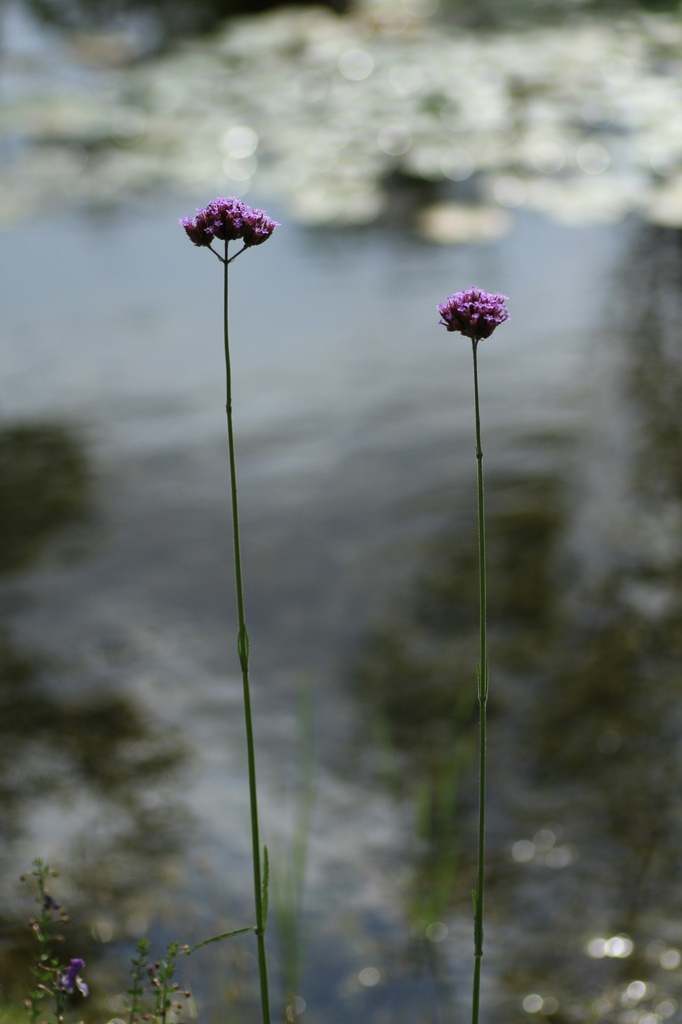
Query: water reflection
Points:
[417, 675]
[43, 486]
[90, 767]
[347, 466]
[608, 718]
[584, 839]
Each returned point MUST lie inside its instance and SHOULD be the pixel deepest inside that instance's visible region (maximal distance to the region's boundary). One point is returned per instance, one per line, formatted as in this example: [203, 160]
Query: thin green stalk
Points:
[482, 705]
[243, 650]
[46, 967]
[290, 882]
[138, 973]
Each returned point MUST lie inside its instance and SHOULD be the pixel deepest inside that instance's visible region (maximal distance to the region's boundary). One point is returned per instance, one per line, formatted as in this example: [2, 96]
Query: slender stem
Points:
[482, 705]
[216, 254]
[233, 258]
[243, 649]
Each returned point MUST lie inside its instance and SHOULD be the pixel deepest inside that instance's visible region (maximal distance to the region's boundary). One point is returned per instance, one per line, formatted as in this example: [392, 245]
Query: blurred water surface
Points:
[389, 112]
[121, 709]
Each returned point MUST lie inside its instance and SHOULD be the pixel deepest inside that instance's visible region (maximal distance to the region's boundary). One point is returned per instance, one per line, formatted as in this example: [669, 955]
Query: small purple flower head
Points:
[229, 219]
[474, 313]
[69, 979]
[199, 229]
[257, 226]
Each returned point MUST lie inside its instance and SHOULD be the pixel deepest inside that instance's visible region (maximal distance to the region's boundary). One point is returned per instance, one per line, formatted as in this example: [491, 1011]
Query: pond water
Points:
[356, 475]
[123, 759]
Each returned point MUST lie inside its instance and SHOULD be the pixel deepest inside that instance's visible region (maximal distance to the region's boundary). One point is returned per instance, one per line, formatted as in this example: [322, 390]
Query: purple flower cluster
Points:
[69, 979]
[474, 313]
[228, 220]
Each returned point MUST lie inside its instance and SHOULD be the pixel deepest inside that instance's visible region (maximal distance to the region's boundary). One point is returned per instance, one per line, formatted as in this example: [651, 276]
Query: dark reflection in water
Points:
[417, 674]
[417, 671]
[43, 485]
[96, 759]
[610, 720]
[607, 726]
[585, 830]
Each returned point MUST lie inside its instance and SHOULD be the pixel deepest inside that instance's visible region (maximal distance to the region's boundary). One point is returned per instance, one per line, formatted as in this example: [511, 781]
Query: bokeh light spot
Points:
[437, 932]
[406, 78]
[636, 990]
[356, 65]
[670, 959]
[523, 851]
[596, 948]
[619, 946]
[394, 139]
[559, 857]
[239, 142]
[102, 931]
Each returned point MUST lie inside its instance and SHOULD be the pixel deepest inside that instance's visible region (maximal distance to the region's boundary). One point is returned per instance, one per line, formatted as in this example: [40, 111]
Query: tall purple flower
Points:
[229, 219]
[69, 979]
[474, 313]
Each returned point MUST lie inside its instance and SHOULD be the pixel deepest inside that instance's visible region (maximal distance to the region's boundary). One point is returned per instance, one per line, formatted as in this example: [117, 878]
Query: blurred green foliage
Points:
[175, 17]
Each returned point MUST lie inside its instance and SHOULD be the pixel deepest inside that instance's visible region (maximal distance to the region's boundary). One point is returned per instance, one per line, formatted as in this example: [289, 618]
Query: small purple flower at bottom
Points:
[474, 313]
[69, 980]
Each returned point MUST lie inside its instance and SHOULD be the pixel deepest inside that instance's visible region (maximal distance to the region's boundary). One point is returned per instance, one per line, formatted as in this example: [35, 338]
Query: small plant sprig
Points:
[165, 990]
[138, 972]
[476, 314]
[53, 979]
[56, 980]
[229, 220]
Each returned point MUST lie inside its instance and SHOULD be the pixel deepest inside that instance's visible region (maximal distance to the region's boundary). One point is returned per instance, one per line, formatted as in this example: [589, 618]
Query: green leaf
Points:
[217, 938]
[243, 649]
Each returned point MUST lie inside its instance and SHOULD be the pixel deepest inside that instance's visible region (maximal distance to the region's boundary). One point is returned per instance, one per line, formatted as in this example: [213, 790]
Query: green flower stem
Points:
[482, 706]
[243, 650]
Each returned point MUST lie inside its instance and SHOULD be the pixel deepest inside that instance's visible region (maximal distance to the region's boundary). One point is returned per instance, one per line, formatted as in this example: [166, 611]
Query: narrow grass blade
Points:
[217, 938]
